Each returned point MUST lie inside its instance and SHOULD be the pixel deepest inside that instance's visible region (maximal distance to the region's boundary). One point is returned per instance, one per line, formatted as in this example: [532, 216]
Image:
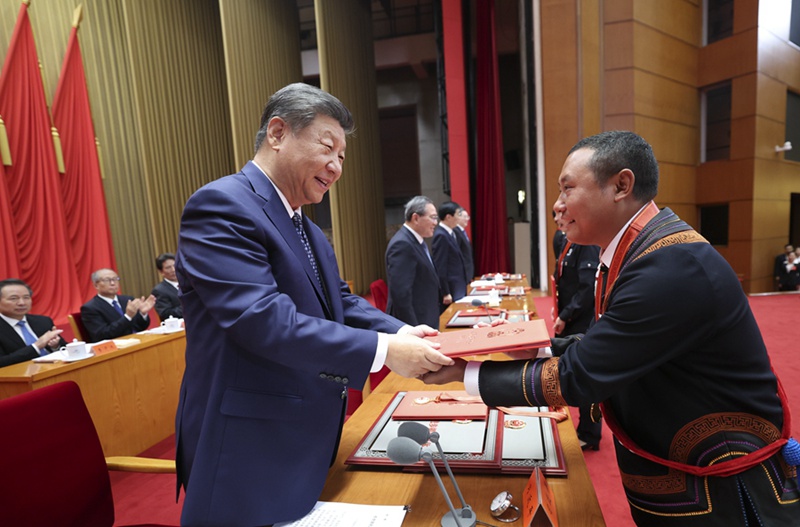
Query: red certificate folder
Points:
[437, 406]
[502, 338]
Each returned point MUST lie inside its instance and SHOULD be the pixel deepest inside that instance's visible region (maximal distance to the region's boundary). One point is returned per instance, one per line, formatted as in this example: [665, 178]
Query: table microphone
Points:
[406, 451]
[477, 302]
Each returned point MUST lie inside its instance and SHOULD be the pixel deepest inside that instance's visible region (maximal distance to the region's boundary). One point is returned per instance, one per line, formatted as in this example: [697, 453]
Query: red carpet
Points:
[142, 498]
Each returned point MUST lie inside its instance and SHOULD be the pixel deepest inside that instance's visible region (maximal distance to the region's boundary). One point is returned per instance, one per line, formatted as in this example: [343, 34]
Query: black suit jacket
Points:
[575, 284]
[103, 322]
[449, 262]
[466, 252]
[13, 349]
[168, 304]
[413, 283]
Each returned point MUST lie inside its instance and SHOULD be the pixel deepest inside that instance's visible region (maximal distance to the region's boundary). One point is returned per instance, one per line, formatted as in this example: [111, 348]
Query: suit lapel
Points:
[276, 213]
[10, 334]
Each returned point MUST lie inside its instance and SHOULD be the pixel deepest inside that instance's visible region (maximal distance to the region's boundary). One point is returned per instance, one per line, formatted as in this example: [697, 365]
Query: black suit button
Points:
[330, 377]
[323, 376]
[345, 380]
[337, 379]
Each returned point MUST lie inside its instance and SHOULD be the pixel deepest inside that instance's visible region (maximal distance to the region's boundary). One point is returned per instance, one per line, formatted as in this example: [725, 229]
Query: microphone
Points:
[406, 450]
[477, 302]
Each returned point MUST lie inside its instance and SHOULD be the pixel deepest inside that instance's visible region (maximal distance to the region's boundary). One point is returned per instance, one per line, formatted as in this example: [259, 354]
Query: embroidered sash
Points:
[652, 230]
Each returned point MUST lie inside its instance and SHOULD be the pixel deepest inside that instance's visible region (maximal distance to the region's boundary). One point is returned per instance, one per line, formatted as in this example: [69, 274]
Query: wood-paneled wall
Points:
[653, 68]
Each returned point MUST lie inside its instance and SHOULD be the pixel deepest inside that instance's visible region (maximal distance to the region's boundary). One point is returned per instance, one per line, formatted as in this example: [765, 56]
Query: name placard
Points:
[104, 347]
[538, 502]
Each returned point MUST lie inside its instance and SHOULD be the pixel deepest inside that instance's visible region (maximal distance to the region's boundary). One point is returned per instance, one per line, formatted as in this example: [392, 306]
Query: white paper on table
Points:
[482, 283]
[335, 514]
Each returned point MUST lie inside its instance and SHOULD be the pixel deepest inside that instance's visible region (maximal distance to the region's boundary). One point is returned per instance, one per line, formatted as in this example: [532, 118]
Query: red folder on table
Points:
[439, 405]
[497, 339]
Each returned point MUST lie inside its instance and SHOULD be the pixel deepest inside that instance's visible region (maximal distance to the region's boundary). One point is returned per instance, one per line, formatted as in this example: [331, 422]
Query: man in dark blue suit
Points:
[168, 304]
[447, 257]
[464, 243]
[414, 293]
[274, 338]
[701, 426]
[23, 336]
[109, 315]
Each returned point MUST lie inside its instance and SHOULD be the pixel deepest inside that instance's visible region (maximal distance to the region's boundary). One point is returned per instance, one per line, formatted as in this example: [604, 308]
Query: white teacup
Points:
[74, 350]
[171, 323]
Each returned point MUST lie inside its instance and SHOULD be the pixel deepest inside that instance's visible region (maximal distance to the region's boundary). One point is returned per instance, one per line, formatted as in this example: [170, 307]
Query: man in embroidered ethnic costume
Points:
[676, 357]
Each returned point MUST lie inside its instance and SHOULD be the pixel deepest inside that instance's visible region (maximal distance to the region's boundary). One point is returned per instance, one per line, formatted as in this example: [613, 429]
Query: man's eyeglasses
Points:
[110, 280]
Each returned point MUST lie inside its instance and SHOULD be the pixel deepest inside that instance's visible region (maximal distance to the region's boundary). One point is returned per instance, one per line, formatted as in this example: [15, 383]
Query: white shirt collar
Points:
[109, 300]
[607, 254]
[445, 227]
[415, 233]
[13, 321]
[285, 201]
[176, 284]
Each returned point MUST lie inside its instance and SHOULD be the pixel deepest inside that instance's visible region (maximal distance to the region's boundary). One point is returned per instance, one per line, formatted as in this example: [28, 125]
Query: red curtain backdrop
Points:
[490, 222]
[84, 200]
[9, 261]
[45, 257]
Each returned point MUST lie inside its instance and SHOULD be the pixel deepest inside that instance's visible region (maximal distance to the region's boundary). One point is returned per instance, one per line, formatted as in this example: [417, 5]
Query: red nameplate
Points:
[105, 347]
[538, 502]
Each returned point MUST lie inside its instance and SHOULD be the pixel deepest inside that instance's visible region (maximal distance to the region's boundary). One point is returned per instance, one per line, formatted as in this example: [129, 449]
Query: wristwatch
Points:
[500, 506]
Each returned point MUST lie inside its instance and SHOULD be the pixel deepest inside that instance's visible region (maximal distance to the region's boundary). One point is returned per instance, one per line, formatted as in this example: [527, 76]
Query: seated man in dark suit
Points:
[23, 336]
[166, 292]
[108, 315]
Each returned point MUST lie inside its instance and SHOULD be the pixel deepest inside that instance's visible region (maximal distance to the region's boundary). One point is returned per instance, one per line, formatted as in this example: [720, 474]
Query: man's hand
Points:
[447, 374]
[147, 304]
[411, 356]
[50, 339]
[558, 326]
[423, 330]
[447, 300]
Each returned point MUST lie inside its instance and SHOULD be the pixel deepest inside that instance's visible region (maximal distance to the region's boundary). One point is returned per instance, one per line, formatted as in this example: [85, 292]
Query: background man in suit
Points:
[414, 295]
[168, 304]
[447, 257]
[273, 335]
[23, 336]
[464, 243]
[574, 278]
[783, 275]
[108, 315]
[675, 340]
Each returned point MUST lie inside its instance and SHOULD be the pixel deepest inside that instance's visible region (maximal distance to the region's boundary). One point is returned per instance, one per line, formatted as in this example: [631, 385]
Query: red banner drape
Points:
[490, 222]
[45, 257]
[9, 261]
[84, 200]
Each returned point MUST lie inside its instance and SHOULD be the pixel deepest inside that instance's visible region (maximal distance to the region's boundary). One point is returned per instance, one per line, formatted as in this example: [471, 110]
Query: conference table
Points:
[576, 501]
[131, 392]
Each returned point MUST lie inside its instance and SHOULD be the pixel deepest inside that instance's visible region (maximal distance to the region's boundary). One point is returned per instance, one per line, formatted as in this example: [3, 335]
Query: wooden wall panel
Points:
[775, 179]
[591, 74]
[619, 90]
[770, 99]
[728, 58]
[743, 137]
[740, 227]
[676, 183]
[671, 142]
[664, 55]
[779, 59]
[722, 181]
[662, 98]
[678, 18]
[560, 89]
